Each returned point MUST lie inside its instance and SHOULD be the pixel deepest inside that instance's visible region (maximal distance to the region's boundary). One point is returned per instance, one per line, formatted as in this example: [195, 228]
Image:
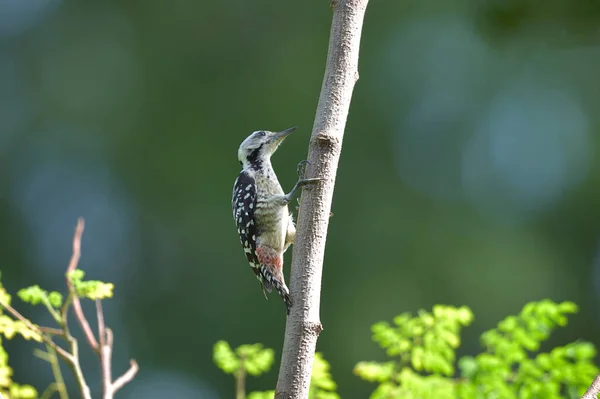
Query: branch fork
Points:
[103, 346]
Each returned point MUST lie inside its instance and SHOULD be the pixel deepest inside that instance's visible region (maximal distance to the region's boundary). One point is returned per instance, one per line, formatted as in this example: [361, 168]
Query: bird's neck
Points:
[259, 165]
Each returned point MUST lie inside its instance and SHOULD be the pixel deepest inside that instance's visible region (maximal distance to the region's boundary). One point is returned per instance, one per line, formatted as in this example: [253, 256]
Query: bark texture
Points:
[593, 390]
[303, 324]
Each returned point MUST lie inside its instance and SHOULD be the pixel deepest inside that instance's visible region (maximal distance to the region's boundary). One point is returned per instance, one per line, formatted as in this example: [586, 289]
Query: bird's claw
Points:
[301, 168]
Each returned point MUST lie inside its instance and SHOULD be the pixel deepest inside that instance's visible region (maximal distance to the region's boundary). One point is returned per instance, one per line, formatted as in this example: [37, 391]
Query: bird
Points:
[260, 209]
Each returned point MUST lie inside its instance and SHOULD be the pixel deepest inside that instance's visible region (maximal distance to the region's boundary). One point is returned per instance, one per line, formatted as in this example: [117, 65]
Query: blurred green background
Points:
[468, 176]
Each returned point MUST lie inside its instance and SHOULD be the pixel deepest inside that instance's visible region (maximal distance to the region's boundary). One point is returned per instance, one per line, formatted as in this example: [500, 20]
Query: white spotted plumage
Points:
[262, 218]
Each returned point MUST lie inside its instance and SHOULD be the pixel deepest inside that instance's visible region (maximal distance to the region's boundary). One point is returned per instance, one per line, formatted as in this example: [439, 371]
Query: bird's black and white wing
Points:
[243, 203]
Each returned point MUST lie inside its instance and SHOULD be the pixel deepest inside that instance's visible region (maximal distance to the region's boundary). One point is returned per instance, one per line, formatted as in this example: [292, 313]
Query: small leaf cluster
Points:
[422, 352]
[262, 395]
[34, 295]
[256, 360]
[252, 359]
[511, 367]
[9, 328]
[56, 306]
[425, 343]
[322, 385]
[91, 289]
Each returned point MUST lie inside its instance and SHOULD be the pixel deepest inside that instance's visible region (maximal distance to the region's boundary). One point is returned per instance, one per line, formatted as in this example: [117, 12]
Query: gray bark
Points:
[303, 324]
[593, 390]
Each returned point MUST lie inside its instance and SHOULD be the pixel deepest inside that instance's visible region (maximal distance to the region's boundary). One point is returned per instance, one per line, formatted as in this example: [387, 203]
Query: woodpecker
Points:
[260, 209]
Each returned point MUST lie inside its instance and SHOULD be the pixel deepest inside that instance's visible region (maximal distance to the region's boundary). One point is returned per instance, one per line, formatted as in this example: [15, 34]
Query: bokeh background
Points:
[468, 176]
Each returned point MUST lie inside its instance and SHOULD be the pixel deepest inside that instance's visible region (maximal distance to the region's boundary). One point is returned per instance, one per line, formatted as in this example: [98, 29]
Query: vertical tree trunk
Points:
[303, 324]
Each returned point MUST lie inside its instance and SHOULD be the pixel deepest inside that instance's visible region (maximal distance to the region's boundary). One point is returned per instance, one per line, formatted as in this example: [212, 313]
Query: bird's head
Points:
[260, 145]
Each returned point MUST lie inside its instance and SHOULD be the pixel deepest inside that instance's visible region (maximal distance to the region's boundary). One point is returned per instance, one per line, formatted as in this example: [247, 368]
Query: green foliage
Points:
[322, 385]
[9, 328]
[225, 358]
[423, 359]
[262, 395]
[12, 322]
[53, 301]
[422, 349]
[256, 360]
[92, 289]
[34, 295]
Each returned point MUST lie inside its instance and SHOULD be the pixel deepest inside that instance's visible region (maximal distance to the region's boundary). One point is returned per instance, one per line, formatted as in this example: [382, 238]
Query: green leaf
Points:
[76, 276]
[373, 371]
[468, 367]
[417, 357]
[544, 361]
[451, 338]
[23, 391]
[55, 299]
[33, 295]
[9, 328]
[257, 360]
[95, 290]
[91, 289]
[325, 395]
[465, 315]
[568, 307]
[509, 324]
[582, 351]
[521, 336]
[225, 358]
[387, 390]
[321, 378]
[262, 395]
[385, 335]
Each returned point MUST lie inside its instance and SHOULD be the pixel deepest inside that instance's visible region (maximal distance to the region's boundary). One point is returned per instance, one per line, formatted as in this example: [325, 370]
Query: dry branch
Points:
[103, 346]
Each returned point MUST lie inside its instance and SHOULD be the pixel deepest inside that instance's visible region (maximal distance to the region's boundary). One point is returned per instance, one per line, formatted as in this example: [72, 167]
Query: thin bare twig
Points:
[77, 309]
[127, 376]
[52, 331]
[15, 313]
[105, 352]
[59, 385]
[106, 339]
[240, 380]
[303, 324]
[71, 357]
[84, 389]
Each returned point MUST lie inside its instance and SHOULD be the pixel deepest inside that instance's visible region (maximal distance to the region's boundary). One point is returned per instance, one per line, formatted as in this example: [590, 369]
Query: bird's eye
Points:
[261, 134]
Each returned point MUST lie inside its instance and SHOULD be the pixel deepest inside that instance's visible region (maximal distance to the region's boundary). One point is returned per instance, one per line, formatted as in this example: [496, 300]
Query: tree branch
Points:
[593, 390]
[103, 346]
[105, 339]
[126, 377]
[59, 384]
[105, 336]
[72, 358]
[303, 324]
[79, 315]
[15, 313]
[240, 380]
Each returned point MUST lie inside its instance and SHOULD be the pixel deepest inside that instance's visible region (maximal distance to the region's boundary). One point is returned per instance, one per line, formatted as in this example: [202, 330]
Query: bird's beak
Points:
[281, 135]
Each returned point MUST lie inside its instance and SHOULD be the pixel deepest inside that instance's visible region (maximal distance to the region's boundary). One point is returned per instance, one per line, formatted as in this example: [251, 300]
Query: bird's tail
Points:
[270, 280]
[284, 293]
